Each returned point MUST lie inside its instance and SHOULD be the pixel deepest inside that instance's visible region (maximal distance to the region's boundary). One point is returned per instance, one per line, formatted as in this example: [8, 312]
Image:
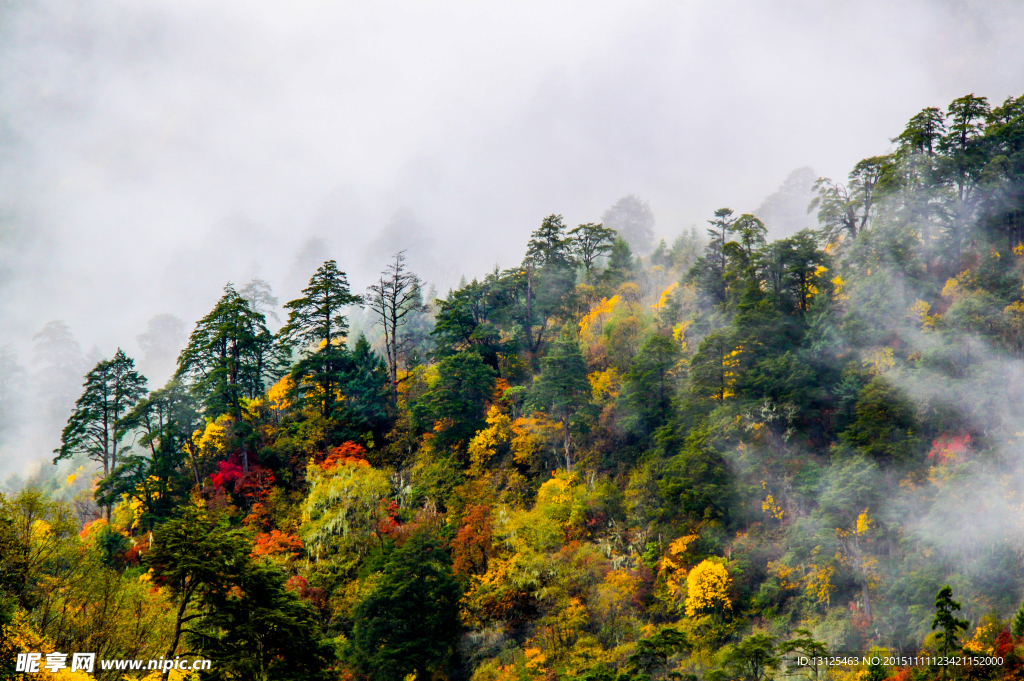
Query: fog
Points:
[152, 152]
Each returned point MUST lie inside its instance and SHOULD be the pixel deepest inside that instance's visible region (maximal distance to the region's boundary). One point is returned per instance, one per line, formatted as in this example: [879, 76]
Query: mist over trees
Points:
[616, 459]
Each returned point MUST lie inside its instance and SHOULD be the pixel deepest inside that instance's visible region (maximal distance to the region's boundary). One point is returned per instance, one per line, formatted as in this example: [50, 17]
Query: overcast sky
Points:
[153, 151]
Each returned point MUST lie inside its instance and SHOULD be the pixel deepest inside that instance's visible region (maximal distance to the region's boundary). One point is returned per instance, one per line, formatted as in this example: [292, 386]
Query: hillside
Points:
[615, 460]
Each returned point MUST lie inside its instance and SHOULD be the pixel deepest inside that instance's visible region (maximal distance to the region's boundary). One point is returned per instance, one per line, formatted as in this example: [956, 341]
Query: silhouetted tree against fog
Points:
[634, 221]
[261, 297]
[162, 341]
[12, 378]
[396, 295]
[61, 366]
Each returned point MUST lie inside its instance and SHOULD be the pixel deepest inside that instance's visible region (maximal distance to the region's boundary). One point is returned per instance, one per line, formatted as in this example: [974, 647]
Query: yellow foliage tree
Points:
[707, 588]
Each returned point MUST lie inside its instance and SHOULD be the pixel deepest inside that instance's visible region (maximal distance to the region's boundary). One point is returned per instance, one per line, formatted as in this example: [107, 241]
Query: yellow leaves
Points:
[70, 480]
[1018, 249]
[485, 444]
[212, 441]
[592, 323]
[839, 288]
[958, 285]
[40, 530]
[680, 546]
[920, 310]
[535, 659]
[783, 573]
[864, 522]
[768, 505]
[707, 588]
[879, 361]
[665, 295]
[819, 582]
[605, 385]
[771, 508]
[532, 435]
[671, 567]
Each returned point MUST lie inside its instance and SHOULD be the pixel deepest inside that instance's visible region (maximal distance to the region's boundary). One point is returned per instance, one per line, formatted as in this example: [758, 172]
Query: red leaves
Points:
[346, 452]
[472, 545]
[276, 543]
[228, 472]
[949, 449]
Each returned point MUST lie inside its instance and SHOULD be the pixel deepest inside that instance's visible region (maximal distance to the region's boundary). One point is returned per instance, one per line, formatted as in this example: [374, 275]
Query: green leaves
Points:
[315, 322]
[409, 622]
[228, 356]
[96, 428]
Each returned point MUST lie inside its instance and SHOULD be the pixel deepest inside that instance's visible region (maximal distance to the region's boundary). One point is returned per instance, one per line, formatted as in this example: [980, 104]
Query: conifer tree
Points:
[315, 322]
[409, 623]
[228, 356]
[111, 390]
[562, 387]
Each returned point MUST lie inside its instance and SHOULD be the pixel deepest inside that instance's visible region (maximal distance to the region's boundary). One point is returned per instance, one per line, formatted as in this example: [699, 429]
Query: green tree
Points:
[111, 390]
[752, 659]
[467, 320]
[562, 387]
[713, 366]
[228, 357]
[318, 328]
[456, 399]
[695, 484]
[199, 559]
[315, 321]
[651, 382]
[409, 623]
[95, 429]
[652, 655]
[549, 269]
[948, 624]
[550, 245]
[884, 427]
[803, 644]
[14, 563]
[161, 480]
[1017, 626]
[262, 631]
[590, 242]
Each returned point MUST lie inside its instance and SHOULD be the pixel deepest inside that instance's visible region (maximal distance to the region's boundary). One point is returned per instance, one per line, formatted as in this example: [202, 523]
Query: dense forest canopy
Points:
[614, 460]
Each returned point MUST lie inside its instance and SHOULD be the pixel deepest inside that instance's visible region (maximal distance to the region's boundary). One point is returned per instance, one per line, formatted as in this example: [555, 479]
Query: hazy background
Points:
[152, 152]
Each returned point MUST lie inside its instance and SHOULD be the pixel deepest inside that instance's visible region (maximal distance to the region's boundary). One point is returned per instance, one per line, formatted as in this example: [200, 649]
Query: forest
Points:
[617, 460]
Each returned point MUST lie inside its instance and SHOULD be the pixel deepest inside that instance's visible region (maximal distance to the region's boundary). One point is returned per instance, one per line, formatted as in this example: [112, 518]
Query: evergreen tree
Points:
[651, 382]
[949, 625]
[456, 401]
[198, 559]
[315, 322]
[160, 481]
[264, 631]
[111, 390]
[562, 387]
[549, 271]
[409, 623]
[229, 355]
[1017, 626]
